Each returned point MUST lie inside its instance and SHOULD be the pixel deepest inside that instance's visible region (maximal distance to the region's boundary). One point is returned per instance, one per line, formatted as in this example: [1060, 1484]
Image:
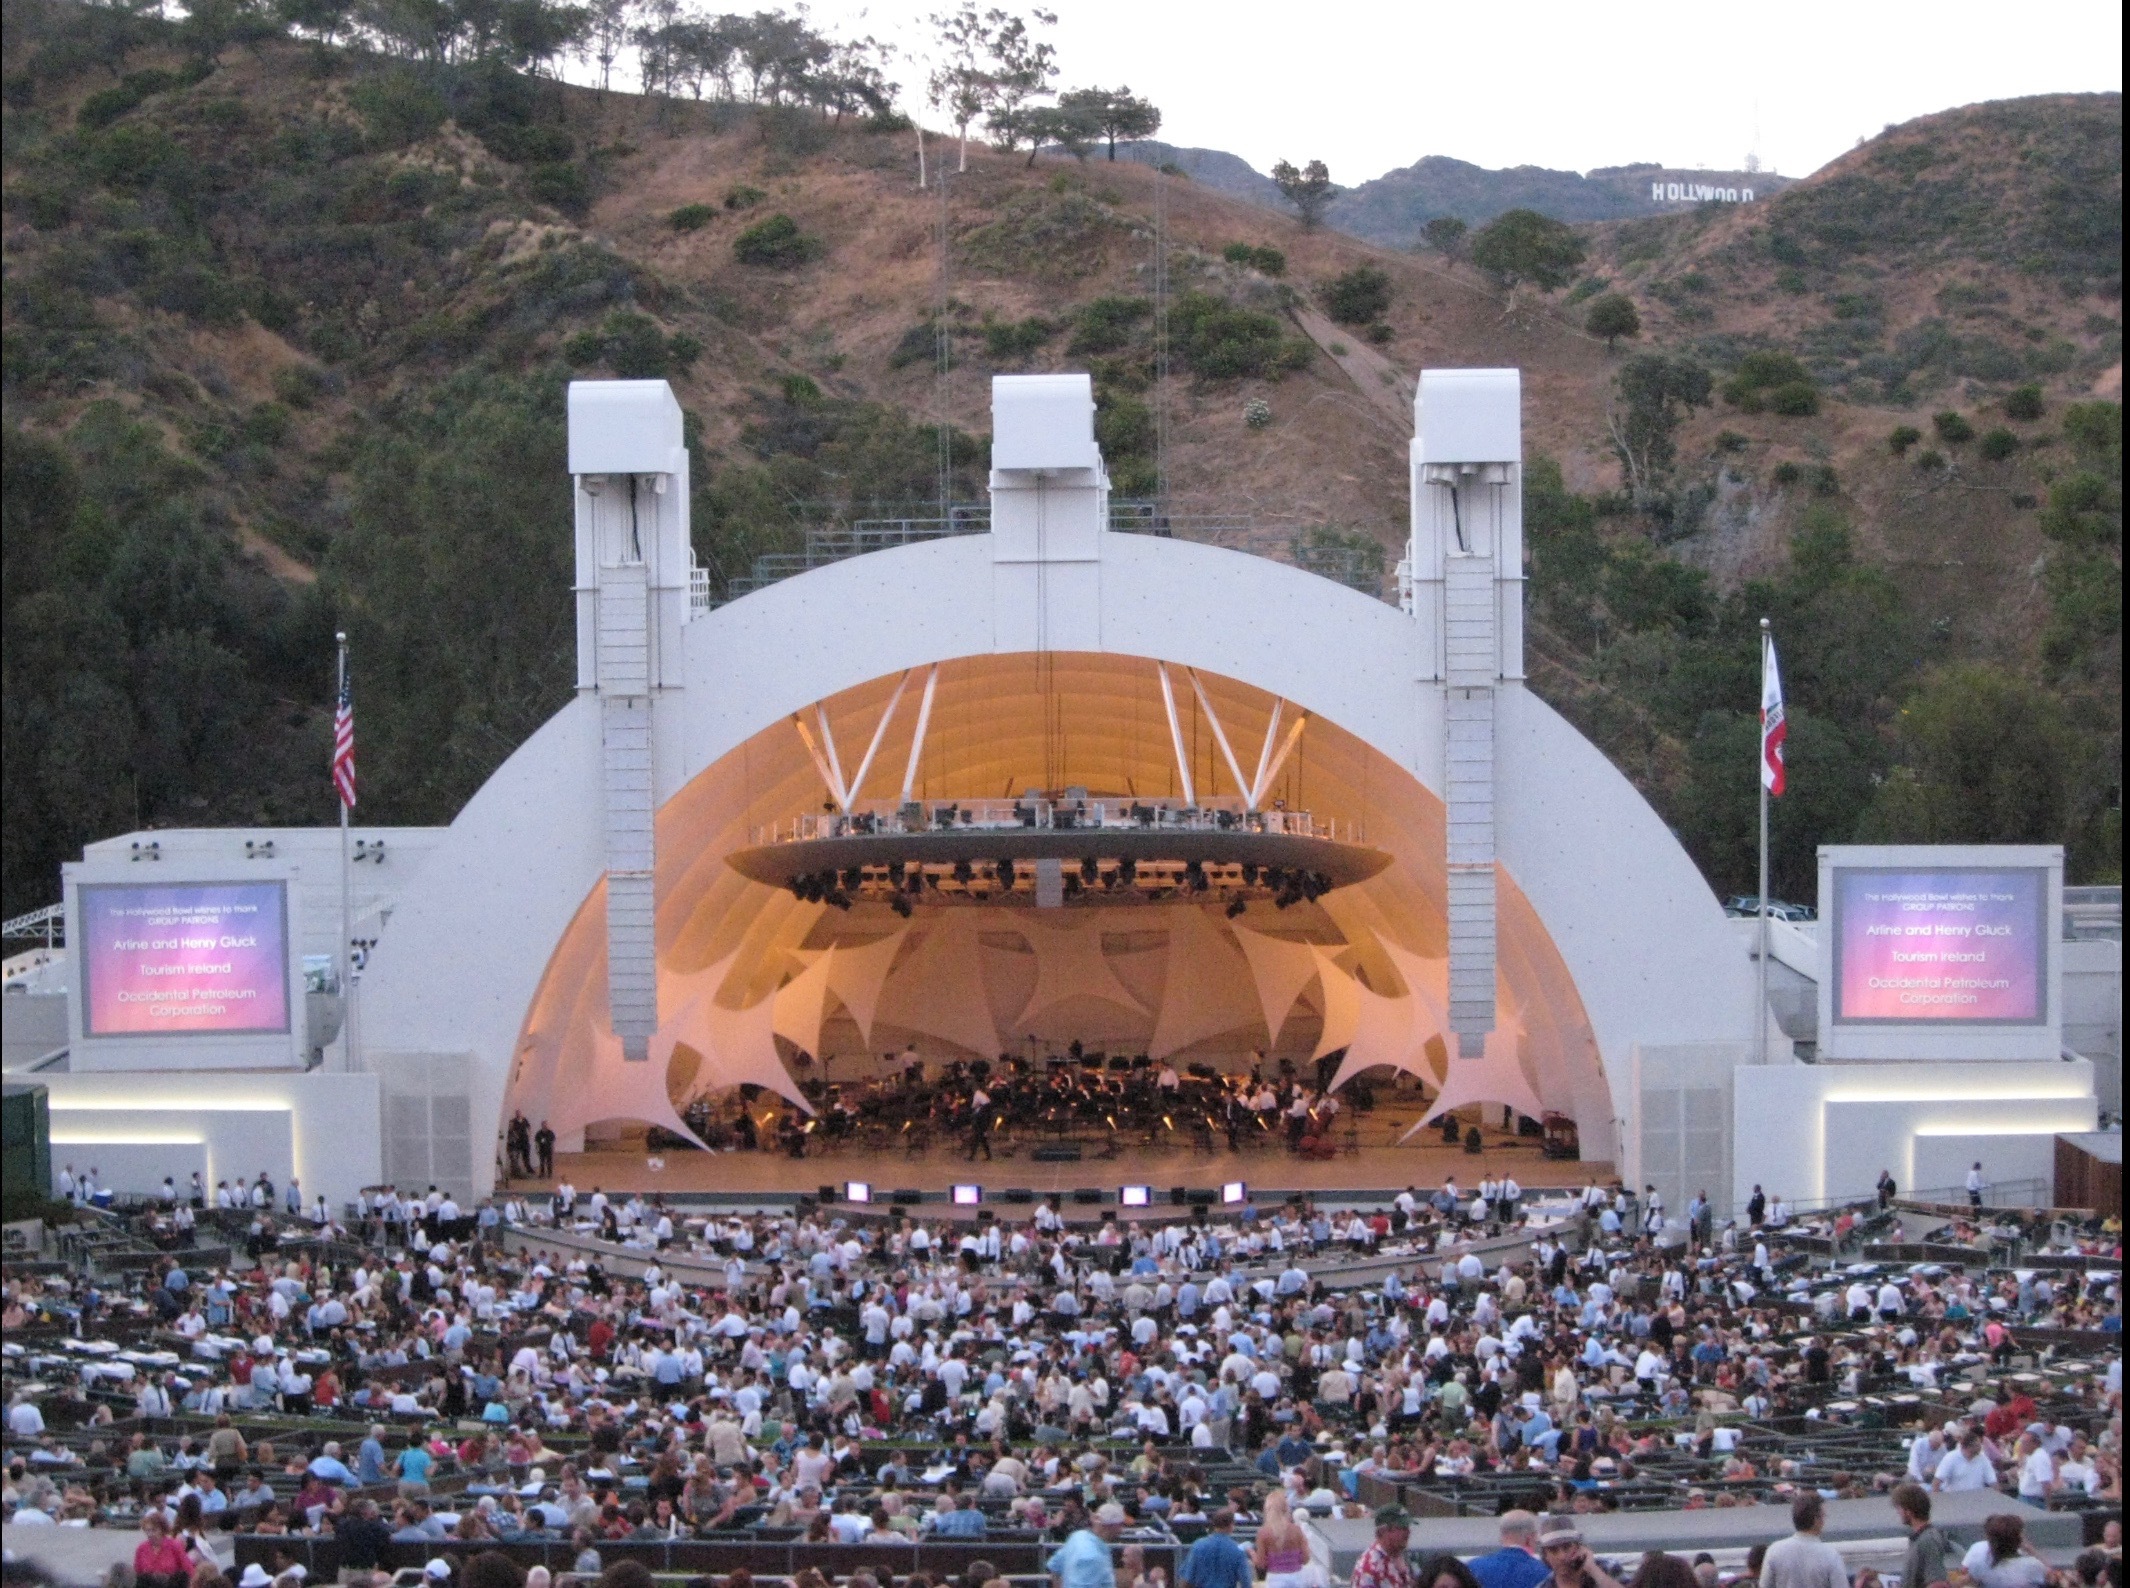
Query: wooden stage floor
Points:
[1378, 1165]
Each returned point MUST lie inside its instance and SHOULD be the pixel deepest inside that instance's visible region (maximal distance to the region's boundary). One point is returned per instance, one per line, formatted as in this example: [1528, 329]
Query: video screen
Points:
[859, 1191]
[189, 958]
[1234, 1193]
[968, 1196]
[1135, 1196]
[1964, 945]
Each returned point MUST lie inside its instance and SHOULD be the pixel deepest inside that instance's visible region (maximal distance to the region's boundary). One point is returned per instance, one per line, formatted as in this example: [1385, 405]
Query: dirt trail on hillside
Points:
[1386, 387]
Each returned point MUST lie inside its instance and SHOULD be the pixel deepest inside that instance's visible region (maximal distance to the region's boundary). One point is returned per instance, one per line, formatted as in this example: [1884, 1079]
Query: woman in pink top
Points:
[160, 1561]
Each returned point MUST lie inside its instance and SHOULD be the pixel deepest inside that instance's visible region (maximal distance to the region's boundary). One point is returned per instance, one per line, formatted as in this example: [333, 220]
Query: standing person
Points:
[1756, 1207]
[1383, 1563]
[1083, 1560]
[1281, 1550]
[1924, 1564]
[1216, 1560]
[1516, 1563]
[1976, 1185]
[979, 1123]
[544, 1140]
[1887, 1189]
[1804, 1560]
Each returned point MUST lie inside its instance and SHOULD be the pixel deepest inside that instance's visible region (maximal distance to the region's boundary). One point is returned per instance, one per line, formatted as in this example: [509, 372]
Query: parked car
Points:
[1778, 910]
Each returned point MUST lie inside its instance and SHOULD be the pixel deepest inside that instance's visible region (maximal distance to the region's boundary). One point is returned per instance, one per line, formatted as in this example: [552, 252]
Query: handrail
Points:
[883, 818]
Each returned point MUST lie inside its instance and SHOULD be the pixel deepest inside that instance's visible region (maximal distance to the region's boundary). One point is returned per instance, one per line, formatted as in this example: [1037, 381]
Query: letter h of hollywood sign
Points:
[1696, 193]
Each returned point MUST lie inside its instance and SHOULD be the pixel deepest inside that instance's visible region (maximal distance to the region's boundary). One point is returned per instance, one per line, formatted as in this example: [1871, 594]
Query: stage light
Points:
[1233, 1193]
[1089, 871]
[964, 873]
[1249, 873]
[1004, 871]
[967, 1196]
[858, 1192]
[1135, 1196]
[1127, 871]
[798, 887]
[1072, 885]
[900, 904]
[1235, 908]
[895, 872]
[853, 878]
[837, 898]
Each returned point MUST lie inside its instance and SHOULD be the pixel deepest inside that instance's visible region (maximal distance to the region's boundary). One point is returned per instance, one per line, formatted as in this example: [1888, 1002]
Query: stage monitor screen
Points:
[1135, 1196]
[1234, 1193]
[1940, 946]
[967, 1196]
[859, 1191]
[189, 958]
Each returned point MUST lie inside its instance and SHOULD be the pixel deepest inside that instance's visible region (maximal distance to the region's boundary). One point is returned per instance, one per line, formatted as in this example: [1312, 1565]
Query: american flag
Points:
[344, 742]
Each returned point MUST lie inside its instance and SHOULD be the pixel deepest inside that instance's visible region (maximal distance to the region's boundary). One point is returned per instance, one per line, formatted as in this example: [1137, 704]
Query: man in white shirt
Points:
[1966, 1467]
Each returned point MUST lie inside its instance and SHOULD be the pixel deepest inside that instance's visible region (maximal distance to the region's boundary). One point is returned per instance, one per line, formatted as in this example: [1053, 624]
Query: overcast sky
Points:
[1370, 87]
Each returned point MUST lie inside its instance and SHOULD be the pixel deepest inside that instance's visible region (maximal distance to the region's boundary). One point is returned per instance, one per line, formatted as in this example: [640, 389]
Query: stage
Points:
[1373, 1164]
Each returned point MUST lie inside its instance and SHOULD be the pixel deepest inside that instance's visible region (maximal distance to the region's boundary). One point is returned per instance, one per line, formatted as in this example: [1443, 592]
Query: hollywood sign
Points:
[1698, 193]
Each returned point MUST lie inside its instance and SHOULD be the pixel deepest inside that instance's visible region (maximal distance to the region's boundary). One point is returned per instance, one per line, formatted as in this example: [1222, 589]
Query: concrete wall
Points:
[2093, 1012]
[135, 1128]
[1824, 1131]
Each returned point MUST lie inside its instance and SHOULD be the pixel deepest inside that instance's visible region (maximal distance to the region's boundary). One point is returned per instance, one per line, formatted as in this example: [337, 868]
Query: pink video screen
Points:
[205, 958]
[1940, 946]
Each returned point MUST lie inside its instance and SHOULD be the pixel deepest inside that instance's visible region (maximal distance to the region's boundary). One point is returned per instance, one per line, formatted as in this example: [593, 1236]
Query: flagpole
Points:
[1760, 778]
[347, 885]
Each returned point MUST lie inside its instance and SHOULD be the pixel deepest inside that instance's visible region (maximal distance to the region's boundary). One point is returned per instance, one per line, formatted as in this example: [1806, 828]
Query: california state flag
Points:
[1773, 775]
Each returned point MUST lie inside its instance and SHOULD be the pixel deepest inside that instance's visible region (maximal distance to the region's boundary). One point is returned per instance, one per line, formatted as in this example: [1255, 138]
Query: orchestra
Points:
[1110, 1101]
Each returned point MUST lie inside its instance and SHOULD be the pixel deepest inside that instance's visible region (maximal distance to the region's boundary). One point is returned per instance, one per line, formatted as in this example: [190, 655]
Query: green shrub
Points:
[300, 385]
[1998, 444]
[1787, 473]
[1795, 399]
[635, 346]
[106, 105]
[1825, 482]
[1105, 324]
[685, 349]
[1223, 342]
[744, 198]
[1760, 374]
[2023, 402]
[397, 106]
[691, 217]
[1009, 341]
[1903, 437]
[1930, 460]
[801, 391]
[776, 242]
[1256, 256]
[1359, 297]
[586, 347]
[1730, 441]
[1257, 413]
[563, 183]
[919, 345]
[1382, 333]
[134, 156]
[1953, 429]
[522, 144]
[1124, 426]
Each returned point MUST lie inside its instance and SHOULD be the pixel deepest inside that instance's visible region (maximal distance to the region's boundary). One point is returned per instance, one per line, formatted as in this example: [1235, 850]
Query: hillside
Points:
[287, 329]
[1391, 209]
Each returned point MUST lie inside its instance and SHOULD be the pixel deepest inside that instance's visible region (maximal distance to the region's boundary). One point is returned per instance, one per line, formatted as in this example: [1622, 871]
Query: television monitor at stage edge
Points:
[180, 959]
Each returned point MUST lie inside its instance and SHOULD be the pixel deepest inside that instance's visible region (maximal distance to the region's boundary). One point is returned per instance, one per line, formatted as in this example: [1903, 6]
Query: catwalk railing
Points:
[873, 817]
[1353, 560]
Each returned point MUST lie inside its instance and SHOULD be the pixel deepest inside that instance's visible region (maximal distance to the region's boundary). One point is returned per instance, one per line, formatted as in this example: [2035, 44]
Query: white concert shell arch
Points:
[1609, 937]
